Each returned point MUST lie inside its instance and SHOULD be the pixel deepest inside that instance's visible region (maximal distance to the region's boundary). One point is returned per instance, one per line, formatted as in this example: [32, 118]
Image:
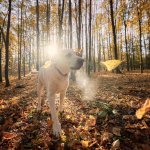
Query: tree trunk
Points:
[126, 44]
[30, 50]
[90, 19]
[61, 14]
[103, 46]
[113, 29]
[86, 37]
[20, 42]
[48, 20]
[140, 41]
[70, 23]
[79, 32]
[37, 35]
[1, 45]
[99, 50]
[7, 47]
[146, 64]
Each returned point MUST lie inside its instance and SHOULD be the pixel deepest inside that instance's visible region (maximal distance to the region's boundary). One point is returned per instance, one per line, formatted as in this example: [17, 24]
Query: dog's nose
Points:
[81, 60]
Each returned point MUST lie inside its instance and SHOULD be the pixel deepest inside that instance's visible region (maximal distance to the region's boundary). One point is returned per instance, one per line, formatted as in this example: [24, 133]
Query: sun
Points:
[51, 50]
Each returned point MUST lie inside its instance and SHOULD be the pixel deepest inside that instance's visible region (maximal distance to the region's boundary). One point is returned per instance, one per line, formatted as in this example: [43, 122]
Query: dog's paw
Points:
[57, 129]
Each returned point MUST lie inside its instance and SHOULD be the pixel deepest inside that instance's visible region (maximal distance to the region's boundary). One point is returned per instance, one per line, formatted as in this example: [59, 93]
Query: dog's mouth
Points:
[77, 65]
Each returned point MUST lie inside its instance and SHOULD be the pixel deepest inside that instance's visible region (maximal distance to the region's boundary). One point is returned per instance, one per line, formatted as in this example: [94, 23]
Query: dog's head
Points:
[69, 58]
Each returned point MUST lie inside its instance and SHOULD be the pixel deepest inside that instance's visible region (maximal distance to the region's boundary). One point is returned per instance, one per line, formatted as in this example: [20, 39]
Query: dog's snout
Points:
[81, 60]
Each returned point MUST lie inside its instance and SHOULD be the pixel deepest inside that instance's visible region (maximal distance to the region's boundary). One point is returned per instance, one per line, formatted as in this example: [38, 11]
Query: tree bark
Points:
[1, 45]
[90, 19]
[79, 32]
[7, 47]
[48, 20]
[140, 41]
[61, 14]
[37, 35]
[70, 23]
[113, 29]
[86, 37]
[126, 44]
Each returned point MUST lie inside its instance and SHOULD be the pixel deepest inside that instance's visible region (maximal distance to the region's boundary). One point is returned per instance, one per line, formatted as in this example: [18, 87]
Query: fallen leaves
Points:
[107, 122]
[115, 145]
[91, 121]
[144, 109]
[9, 135]
[85, 143]
[106, 137]
[116, 131]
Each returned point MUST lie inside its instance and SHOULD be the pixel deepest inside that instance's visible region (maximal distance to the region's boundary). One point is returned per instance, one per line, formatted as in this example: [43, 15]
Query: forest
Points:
[107, 103]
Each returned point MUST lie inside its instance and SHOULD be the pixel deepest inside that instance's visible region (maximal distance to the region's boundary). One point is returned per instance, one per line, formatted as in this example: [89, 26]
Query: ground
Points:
[105, 121]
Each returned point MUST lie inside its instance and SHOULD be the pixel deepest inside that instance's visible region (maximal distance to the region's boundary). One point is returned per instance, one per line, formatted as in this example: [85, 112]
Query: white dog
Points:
[54, 76]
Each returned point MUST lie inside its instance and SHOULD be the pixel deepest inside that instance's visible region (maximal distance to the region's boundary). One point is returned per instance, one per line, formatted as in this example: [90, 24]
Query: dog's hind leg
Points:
[62, 96]
[39, 92]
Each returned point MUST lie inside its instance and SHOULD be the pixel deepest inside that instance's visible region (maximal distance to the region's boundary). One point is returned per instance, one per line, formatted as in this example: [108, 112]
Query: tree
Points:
[1, 46]
[113, 29]
[90, 19]
[7, 47]
[60, 16]
[70, 23]
[48, 20]
[125, 34]
[2, 40]
[140, 35]
[86, 36]
[79, 29]
[37, 35]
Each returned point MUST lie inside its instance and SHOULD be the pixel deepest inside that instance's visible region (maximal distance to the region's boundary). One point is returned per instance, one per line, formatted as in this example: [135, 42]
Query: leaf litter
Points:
[105, 122]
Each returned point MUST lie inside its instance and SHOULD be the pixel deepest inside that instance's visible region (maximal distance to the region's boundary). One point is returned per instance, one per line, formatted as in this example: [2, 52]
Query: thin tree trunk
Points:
[48, 20]
[79, 32]
[30, 50]
[99, 50]
[113, 29]
[61, 14]
[140, 41]
[126, 44]
[20, 31]
[70, 23]
[103, 46]
[86, 37]
[90, 19]
[1, 45]
[145, 53]
[7, 46]
[37, 35]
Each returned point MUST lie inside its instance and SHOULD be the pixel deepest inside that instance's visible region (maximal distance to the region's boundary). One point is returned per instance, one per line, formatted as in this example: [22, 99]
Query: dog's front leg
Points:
[39, 92]
[62, 95]
[56, 124]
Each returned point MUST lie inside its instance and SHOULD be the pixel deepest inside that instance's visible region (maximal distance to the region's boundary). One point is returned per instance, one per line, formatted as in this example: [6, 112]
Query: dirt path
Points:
[106, 121]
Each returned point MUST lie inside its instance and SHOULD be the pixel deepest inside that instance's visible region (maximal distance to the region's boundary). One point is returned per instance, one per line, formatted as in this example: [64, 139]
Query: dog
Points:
[54, 76]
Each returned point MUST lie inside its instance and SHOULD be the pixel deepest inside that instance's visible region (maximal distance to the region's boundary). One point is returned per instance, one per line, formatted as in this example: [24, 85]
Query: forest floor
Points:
[106, 121]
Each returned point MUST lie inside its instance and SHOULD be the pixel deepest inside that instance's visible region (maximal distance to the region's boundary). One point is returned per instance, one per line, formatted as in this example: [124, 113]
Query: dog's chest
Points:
[61, 85]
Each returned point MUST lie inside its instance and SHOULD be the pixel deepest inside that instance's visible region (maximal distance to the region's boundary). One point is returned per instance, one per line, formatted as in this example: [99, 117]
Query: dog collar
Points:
[61, 72]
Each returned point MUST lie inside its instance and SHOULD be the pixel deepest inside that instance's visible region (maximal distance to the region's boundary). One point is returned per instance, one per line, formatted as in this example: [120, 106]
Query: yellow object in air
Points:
[111, 64]
[47, 64]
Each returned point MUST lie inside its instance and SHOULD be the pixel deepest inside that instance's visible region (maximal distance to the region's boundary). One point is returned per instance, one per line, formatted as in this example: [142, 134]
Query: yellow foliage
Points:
[111, 64]
[145, 108]
[47, 64]
[85, 143]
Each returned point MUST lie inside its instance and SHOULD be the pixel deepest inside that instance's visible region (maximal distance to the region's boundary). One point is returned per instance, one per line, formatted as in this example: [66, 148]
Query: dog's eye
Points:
[69, 55]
